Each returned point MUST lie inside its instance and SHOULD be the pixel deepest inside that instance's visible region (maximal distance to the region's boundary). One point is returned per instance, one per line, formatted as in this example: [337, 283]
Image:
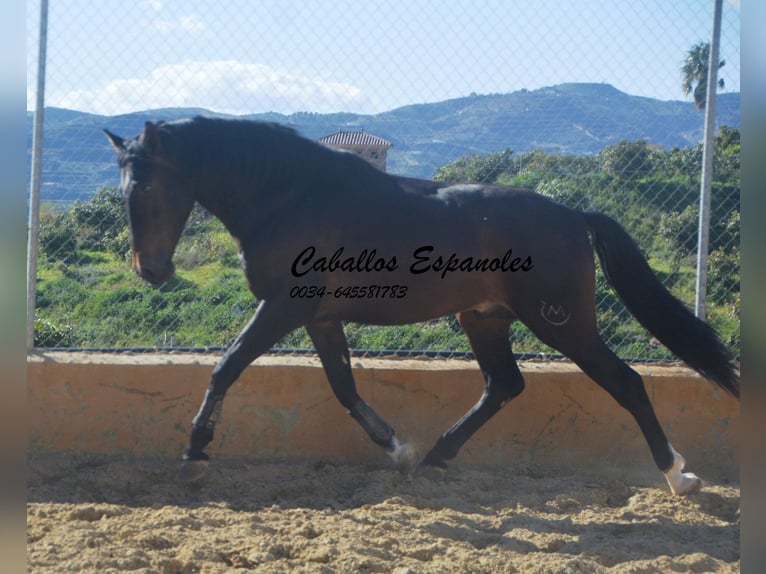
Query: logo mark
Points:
[556, 316]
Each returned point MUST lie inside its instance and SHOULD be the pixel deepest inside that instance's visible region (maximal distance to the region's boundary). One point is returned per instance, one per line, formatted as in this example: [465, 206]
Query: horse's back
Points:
[516, 214]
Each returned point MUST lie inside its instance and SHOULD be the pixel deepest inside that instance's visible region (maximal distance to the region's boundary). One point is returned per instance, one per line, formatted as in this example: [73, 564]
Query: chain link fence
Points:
[571, 137]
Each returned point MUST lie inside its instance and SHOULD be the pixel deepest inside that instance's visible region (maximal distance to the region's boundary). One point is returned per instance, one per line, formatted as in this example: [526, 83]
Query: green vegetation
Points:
[654, 193]
[694, 73]
[89, 297]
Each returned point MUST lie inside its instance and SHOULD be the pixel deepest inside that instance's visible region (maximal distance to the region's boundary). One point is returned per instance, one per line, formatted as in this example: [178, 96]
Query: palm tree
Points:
[694, 73]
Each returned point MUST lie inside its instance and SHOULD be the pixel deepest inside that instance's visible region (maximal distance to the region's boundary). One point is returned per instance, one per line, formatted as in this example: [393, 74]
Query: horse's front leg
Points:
[272, 320]
[332, 348]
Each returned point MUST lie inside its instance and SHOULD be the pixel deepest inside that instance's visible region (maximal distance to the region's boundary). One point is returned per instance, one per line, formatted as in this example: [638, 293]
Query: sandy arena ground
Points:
[89, 513]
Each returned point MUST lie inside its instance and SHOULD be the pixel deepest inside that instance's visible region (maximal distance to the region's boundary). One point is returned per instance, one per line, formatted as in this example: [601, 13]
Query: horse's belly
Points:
[410, 302]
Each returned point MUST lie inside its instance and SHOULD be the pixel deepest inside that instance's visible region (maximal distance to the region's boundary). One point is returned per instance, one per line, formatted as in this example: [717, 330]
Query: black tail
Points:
[664, 316]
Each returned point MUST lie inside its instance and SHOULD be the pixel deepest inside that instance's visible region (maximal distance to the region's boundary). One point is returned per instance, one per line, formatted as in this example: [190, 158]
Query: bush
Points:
[100, 222]
[627, 160]
[678, 230]
[723, 275]
[49, 334]
[58, 237]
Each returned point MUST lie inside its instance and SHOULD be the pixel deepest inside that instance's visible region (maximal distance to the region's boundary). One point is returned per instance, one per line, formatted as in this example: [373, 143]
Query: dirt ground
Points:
[95, 513]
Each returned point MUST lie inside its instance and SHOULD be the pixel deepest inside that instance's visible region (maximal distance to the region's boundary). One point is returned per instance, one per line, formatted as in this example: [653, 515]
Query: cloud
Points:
[224, 86]
[163, 26]
[190, 23]
[155, 5]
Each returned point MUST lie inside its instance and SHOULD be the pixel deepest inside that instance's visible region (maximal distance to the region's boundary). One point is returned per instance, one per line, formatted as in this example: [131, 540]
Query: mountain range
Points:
[578, 119]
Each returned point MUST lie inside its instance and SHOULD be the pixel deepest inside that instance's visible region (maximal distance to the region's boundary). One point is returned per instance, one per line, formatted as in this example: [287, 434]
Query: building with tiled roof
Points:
[370, 147]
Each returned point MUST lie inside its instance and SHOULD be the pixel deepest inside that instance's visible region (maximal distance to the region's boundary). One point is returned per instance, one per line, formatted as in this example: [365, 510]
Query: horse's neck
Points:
[244, 208]
[255, 192]
[231, 216]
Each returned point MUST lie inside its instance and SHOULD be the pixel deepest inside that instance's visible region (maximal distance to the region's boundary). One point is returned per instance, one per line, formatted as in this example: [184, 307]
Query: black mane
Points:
[266, 153]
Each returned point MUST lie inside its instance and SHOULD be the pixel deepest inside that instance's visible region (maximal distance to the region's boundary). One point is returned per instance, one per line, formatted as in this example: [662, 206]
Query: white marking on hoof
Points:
[681, 482]
[404, 455]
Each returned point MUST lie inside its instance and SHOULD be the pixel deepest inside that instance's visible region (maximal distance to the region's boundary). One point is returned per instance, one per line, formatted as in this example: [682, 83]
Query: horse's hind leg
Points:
[627, 388]
[488, 336]
[579, 340]
[332, 348]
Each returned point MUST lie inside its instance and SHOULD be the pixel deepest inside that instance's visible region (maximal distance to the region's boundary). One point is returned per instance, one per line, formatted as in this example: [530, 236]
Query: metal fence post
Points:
[707, 166]
[34, 188]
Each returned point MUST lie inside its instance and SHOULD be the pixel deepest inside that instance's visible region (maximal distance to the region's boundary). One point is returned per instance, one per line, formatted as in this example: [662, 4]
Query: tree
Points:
[58, 237]
[694, 73]
[101, 222]
[726, 164]
[626, 160]
[476, 169]
[98, 224]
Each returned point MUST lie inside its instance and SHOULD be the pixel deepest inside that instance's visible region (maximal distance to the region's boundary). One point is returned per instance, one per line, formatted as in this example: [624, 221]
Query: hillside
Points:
[577, 119]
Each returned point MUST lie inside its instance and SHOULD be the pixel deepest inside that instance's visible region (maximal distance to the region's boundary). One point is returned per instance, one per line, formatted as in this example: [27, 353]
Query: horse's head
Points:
[157, 201]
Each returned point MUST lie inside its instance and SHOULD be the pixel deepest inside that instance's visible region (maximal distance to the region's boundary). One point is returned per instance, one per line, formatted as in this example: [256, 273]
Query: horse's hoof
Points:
[687, 483]
[192, 470]
[431, 466]
[433, 461]
[405, 456]
[432, 471]
[681, 482]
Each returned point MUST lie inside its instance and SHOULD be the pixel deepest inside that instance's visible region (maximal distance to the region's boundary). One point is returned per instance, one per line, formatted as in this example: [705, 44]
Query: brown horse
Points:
[324, 237]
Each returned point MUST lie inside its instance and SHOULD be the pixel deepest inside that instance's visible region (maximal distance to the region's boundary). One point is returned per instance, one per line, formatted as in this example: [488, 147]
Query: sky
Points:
[251, 56]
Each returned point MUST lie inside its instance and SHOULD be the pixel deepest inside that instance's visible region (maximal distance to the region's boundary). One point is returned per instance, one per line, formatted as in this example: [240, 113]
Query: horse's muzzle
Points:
[155, 273]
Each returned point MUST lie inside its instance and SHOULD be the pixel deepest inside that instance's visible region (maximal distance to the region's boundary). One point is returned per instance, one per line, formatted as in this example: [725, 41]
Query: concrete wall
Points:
[283, 407]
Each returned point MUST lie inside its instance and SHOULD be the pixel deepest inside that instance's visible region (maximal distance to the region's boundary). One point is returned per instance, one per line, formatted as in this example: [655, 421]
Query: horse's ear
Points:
[117, 142]
[150, 139]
